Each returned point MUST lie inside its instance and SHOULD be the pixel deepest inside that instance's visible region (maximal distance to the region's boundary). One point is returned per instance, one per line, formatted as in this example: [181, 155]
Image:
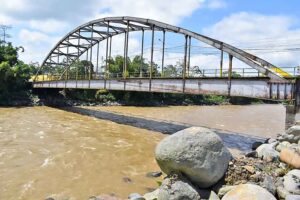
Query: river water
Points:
[50, 152]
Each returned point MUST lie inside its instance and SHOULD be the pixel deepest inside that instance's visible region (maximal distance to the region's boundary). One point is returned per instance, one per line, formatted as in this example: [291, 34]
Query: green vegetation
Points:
[14, 75]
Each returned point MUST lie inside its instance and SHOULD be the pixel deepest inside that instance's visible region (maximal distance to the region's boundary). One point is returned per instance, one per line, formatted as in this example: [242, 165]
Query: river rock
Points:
[267, 152]
[291, 181]
[255, 145]
[292, 197]
[104, 197]
[291, 157]
[248, 191]
[294, 130]
[224, 189]
[152, 195]
[282, 145]
[213, 196]
[269, 184]
[177, 189]
[196, 152]
[135, 196]
[153, 174]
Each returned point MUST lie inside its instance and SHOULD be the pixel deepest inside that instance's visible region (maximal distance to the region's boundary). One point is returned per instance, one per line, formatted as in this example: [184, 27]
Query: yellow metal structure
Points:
[281, 72]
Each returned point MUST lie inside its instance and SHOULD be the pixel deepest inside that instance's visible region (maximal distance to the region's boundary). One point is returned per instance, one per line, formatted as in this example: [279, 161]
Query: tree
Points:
[14, 74]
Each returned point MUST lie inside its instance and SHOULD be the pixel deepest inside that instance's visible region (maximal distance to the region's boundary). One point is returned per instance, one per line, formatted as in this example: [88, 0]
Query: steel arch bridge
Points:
[270, 82]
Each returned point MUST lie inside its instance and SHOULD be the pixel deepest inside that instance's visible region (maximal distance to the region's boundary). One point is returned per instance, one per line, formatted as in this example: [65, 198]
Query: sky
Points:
[269, 29]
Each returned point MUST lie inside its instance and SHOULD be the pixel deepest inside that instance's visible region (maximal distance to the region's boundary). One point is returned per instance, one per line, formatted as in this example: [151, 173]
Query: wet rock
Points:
[152, 195]
[292, 197]
[248, 191]
[135, 196]
[291, 182]
[290, 157]
[269, 184]
[153, 174]
[267, 152]
[213, 196]
[196, 152]
[174, 188]
[255, 145]
[223, 190]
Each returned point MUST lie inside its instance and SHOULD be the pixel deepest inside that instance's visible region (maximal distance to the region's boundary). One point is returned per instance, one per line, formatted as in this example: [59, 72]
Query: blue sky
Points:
[271, 26]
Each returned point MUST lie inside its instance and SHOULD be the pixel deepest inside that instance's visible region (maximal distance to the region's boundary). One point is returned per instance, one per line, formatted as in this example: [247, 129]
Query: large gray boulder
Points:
[198, 153]
[248, 191]
[178, 189]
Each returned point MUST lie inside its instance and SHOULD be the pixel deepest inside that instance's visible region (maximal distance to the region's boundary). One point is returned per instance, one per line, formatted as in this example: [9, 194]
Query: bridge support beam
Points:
[189, 56]
[221, 64]
[151, 60]
[229, 74]
[142, 54]
[297, 95]
[163, 53]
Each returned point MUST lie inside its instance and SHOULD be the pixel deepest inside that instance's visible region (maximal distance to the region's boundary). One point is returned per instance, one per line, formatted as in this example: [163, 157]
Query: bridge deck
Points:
[246, 87]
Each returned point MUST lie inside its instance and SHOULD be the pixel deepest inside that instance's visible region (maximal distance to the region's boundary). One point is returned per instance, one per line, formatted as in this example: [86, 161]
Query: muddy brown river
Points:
[47, 152]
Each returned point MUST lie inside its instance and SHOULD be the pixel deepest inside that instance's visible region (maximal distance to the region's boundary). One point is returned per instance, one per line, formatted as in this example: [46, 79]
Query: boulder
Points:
[196, 152]
[267, 152]
[247, 192]
[174, 188]
[291, 157]
[291, 181]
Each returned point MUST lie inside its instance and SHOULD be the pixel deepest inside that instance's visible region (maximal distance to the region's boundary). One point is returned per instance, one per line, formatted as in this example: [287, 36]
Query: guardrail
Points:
[287, 72]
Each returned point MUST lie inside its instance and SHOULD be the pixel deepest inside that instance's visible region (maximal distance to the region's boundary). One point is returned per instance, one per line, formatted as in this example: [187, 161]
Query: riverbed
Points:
[48, 152]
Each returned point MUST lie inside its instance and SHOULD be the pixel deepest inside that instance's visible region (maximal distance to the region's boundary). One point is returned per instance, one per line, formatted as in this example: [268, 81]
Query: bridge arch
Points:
[99, 30]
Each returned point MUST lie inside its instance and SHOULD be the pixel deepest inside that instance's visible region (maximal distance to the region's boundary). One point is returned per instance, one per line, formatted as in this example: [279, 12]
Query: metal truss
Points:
[82, 39]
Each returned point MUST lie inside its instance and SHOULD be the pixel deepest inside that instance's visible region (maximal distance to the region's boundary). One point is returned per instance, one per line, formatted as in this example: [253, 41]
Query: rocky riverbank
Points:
[198, 166]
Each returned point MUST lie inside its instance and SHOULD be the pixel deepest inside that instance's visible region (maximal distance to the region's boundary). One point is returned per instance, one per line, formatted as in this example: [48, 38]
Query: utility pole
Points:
[4, 35]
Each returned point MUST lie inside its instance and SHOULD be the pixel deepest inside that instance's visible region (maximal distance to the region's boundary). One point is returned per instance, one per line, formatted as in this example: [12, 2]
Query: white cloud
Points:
[169, 11]
[271, 34]
[34, 43]
[216, 4]
[46, 19]
[48, 26]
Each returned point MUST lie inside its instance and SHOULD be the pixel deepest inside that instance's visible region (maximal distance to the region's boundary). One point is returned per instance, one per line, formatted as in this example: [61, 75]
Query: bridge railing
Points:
[287, 72]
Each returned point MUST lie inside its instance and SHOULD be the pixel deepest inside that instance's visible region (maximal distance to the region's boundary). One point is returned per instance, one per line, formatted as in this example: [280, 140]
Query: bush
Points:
[104, 96]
